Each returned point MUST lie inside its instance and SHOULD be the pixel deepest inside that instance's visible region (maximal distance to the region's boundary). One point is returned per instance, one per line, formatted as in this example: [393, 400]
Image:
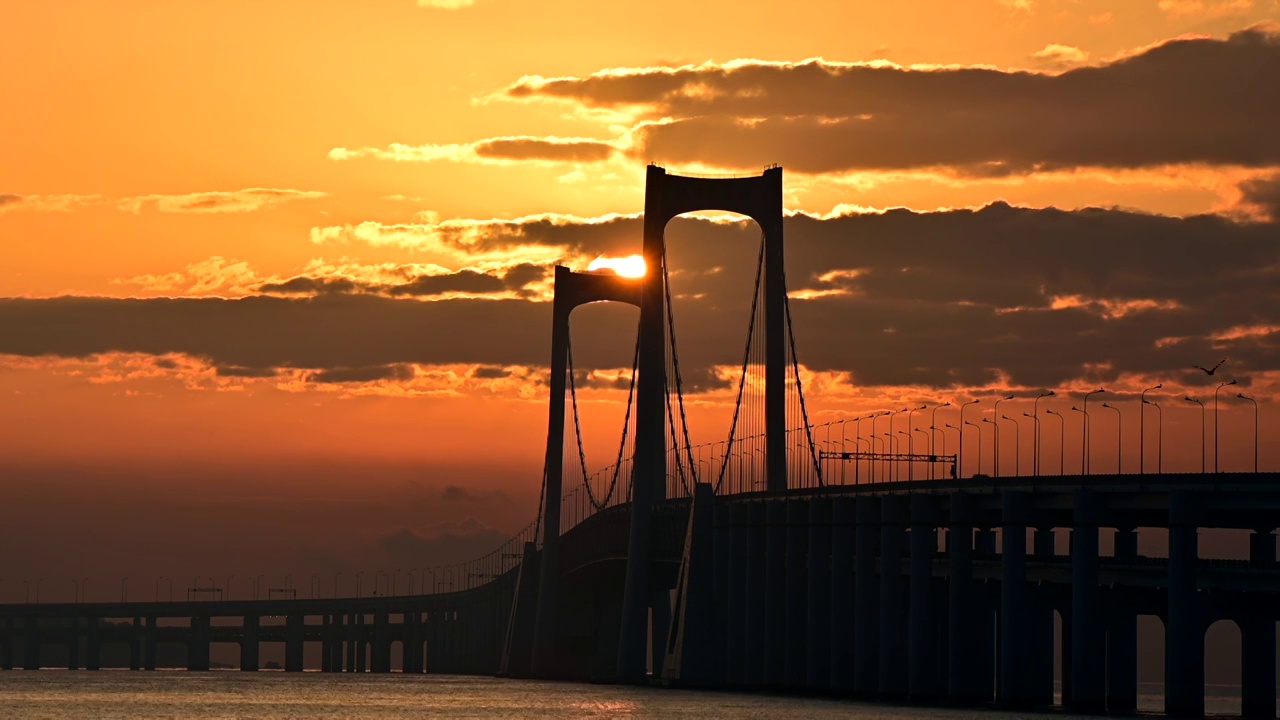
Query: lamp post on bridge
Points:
[843, 439]
[895, 471]
[933, 427]
[969, 422]
[1159, 434]
[1062, 441]
[930, 446]
[960, 450]
[1035, 415]
[1142, 428]
[910, 451]
[1084, 432]
[912, 443]
[1119, 438]
[1242, 396]
[1035, 432]
[1086, 447]
[874, 435]
[257, 584]
[892, 444]
[1017, 445]
[1201, 404]
[857, 432]
[1215, 422]
[995, 448]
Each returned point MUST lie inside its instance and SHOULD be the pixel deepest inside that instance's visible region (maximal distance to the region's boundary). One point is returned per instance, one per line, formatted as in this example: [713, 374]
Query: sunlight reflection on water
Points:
[109, 695]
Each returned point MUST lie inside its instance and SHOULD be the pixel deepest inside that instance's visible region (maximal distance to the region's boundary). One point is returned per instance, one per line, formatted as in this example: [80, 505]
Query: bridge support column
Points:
[922, 636]
[93, 644]
[381, 642]
[1041, 626]
[775, 593]
[818, 644]
[893, 598]
[757, 614]
[1258, 641]
[660, 628]
[1122, 636]
[411, 657]
[866, 597]
[518, 647]
[294, 637]
[198, 644]
[6, 645]
[739, 634]
[135, 644]
[962, 638]
[250, 652]
[1088, 628]
[689, 648]
[797, 624]
[1184, 628]
[720, 591]
[73, 644]
[986, 599]
[1016, 686]
[149, 640]
[349, 633]
[842, 601]
[30, 643]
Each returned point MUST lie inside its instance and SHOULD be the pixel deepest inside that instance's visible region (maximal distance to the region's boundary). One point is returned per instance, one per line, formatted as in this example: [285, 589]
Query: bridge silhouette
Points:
[763, 567]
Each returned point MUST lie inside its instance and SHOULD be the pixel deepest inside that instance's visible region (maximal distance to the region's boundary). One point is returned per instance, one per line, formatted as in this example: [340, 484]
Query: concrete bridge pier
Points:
[893, 598]
[987, 601]
[1258, 640]
[411, 660]
[1040, 626]
[1122, 635]
[797, 606]
[381, 661]
[842, 584]
[757, 615]
[326, 642]
[198, 637]
[93, 644]
[922, 636]
[294, 638]
[6, 645]
[720, 593]
[250, 649]
[866, 597]
[818, 595]
[1184, 626]
[962, 636]
[135, 644]
[736, 610]
[73, 644]
[775, 600]
[1016, 687]
[149, 641]
[1088, 628]
[30, 643]
[349, 635]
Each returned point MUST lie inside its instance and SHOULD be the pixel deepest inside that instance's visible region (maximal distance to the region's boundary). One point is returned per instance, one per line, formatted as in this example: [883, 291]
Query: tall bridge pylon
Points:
[667, 196]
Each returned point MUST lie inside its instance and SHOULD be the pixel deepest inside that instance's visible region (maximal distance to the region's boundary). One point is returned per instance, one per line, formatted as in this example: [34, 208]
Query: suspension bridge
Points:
[763, 567]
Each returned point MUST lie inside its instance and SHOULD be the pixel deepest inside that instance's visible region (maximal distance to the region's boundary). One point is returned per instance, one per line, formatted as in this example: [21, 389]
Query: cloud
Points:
[1187, 101]
[1260, 198]
[446, 4]
[1060, 56]
[247, 200]
[958, 298]
[45, 203]
[498, 150]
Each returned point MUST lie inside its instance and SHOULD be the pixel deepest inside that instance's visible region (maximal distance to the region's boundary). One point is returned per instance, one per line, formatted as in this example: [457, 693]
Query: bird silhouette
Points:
[1212, 370]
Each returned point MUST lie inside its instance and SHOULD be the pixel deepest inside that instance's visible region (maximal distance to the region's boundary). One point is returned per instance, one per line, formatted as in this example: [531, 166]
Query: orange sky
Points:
[327, 164]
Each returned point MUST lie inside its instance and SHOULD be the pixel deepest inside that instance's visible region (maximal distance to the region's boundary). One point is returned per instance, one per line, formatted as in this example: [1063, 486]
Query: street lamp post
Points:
[1159, 435]
[1017, 445]
[969, 422]
[1062, 441]
[1201, 404]
[995, 443]
[1035, 414]
[995, 448]
[960, 450]
[911, 444]
[892, 444]
[1035, 434]
[933, 427]
[1085, 462]
[894, 465]
[955, 470]
[873, 438]
[1142, 427]
[1119, 438]
[1242, 396]
[921, 430]
[1215, 422]
[1084, 439]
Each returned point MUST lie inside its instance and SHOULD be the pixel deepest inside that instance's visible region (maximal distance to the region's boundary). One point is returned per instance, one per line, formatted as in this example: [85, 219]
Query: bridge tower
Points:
[758, 197]
[572, 290]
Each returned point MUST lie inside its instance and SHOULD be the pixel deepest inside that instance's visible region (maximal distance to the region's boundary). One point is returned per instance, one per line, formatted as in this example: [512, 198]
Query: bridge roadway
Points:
[926, 591]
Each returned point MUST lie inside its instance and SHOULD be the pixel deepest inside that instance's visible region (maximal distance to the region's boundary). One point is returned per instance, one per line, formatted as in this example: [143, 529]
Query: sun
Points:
[631, 266]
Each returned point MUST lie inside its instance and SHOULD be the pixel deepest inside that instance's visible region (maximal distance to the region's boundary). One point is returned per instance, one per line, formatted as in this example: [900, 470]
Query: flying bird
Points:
[1210, 371]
